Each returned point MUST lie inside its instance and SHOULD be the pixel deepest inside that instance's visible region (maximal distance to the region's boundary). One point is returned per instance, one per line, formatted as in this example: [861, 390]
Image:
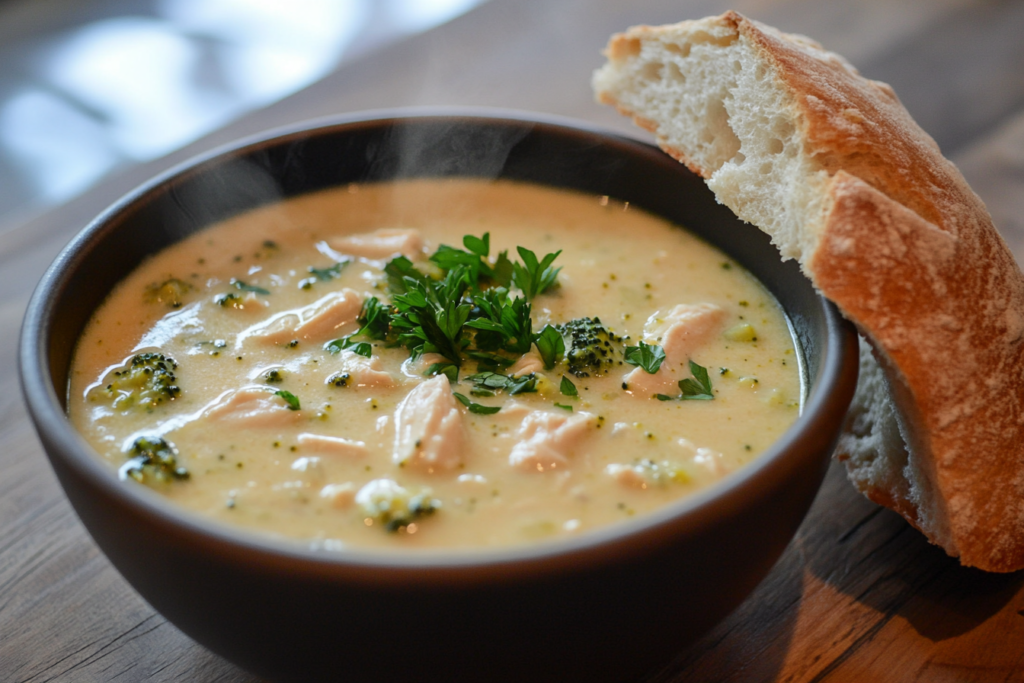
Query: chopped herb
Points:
[449, 370]
[697, 388]
[429, 317]
[647, 356]
[238, 284]
[568, 388]
[475, 407]
[534, 277]
[291, 399]
[563, 407]
[550, 345]
[498, 382]
[329, 273]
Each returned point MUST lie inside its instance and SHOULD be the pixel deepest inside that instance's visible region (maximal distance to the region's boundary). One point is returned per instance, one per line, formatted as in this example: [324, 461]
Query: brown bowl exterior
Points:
[608, 605]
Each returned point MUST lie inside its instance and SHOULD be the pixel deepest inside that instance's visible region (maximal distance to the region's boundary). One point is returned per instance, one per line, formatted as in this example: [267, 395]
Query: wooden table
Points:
[858, 595]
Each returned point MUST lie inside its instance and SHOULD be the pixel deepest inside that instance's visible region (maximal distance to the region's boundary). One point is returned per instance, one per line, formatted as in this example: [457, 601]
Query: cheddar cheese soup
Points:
[453, 363]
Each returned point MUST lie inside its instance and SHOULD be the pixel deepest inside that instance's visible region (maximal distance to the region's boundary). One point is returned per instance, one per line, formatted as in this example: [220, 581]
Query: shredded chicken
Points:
[380, 244]
[252, 407]
[679, 333]
[327, 318]
[429, 434]
[546, 440]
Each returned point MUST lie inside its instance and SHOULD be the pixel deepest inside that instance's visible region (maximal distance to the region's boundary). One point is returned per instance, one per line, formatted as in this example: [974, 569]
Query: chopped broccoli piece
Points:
[153, 459]
[170, 292]
[591, 348]
[392, 506]
[145, 381]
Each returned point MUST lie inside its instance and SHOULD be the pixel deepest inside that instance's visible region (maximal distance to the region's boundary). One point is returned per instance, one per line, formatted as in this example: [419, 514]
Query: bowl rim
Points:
[823, 410]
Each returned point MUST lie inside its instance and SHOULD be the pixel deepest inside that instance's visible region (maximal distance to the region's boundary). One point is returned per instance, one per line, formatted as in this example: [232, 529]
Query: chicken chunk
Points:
[680, 332]
[429, 435]
[334, 445]
[380, 244]
[546, 440]
[528, 364]
[252, 407]
[360, 371]
[321, 321]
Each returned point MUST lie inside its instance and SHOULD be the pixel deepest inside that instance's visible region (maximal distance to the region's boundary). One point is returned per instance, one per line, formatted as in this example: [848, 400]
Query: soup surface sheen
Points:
[261, 424]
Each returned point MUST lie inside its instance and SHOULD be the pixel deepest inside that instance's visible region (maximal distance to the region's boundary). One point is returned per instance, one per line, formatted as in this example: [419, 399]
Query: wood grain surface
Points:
[858, 595]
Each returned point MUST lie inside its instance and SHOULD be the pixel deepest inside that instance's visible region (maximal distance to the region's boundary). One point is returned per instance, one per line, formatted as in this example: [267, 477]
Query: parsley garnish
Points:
[238, 284]
[493, 381]
[550, 345]
[647, 356]
[568, 388]
[697, 388]
[475, 407]
[291, 399]
[322, 274]
[430, 315]
[563, 407]
[534, 277]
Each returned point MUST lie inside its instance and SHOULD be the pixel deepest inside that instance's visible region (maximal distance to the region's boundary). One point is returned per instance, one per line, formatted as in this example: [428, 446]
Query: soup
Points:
[435, 363]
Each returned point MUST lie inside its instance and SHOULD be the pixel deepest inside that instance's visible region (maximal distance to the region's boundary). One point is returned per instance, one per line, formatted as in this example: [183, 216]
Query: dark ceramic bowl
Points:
[607, 605]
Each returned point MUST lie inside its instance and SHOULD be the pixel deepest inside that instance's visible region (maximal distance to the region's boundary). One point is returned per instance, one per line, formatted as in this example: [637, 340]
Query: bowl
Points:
[610, 604]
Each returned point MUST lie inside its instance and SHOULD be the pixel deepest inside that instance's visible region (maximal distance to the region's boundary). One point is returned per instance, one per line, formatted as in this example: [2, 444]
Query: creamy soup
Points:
[382, 365]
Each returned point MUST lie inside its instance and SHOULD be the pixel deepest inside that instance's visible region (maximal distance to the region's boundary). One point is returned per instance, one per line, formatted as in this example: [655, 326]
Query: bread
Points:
[831, 165]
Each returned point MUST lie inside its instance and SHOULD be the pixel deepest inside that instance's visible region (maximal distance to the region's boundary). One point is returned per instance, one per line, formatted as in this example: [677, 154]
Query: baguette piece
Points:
[831, 165]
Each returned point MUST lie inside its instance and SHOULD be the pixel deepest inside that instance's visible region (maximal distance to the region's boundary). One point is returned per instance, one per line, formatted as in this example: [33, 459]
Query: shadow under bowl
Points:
[607, 605]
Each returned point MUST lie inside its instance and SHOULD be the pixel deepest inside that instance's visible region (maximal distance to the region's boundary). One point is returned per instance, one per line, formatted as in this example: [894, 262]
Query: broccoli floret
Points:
[145, 381]
[170, 292]
[387, 503]
[153, 459]
[591, 349]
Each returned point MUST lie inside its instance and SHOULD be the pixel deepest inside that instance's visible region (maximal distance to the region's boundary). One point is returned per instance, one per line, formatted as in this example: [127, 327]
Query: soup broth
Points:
[276, 372]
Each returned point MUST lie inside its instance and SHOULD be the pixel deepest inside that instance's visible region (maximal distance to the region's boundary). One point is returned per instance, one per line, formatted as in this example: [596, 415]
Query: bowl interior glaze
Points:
[606, 606]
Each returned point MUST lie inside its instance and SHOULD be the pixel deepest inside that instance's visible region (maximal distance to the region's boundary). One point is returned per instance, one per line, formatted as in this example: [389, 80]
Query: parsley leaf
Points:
[238, 284]
[698, 388]
[568, 388]
[375, 319]
[494, 381]
[475, 407]
[449, 370]
[481, 246]
[550, 345]
[398, 270]
[291, 399]
[647, 356]
[430, 315]
[322, 274]
[533, 277]
[563, 407]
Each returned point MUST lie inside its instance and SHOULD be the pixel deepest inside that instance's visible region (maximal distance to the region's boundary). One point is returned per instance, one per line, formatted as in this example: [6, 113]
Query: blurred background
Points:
[89, 88]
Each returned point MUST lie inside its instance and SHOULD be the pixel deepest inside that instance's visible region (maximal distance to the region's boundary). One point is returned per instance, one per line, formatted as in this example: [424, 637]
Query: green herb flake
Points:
[475, 407]
[647, 356]
[533, 277]
[550, 345]
[698, 388]
[563, 407]
[291, 399]
[568, 388]
[238, 284]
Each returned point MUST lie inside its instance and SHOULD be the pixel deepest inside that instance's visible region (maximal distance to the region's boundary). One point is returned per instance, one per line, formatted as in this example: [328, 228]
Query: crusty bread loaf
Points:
[831, 165]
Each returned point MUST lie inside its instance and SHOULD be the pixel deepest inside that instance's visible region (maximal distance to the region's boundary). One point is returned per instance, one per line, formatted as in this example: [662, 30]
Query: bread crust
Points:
[909, 253]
